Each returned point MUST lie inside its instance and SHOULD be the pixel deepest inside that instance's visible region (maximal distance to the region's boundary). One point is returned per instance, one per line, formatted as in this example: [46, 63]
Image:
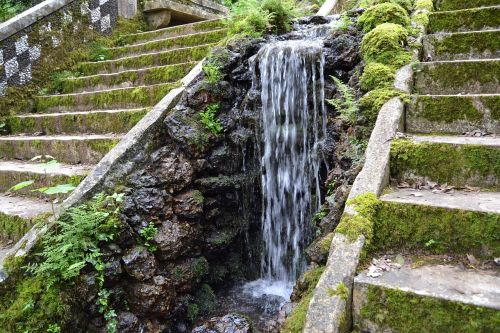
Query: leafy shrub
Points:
[346, 104]
[385, 45]
[383, 13]
[376, 76]
[209, 119]
[9, 9]
[252, 18]
[148, 234]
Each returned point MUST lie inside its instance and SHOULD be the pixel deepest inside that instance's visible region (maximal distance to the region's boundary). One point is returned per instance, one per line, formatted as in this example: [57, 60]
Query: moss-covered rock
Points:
[383, 13]
[424, 5]
[385, 45]
[454, 164]
[401, 311]
[456, 5]
[371, 103]
[406, 4]
[377, 76]
[463, 20]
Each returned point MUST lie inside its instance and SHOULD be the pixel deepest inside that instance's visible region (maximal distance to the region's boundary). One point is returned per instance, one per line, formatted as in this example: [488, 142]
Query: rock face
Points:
[200, 194]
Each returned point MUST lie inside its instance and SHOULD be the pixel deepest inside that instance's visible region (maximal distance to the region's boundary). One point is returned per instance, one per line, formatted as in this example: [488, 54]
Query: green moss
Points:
[421, 19]
[295, 322]
[424, 5]
[198, 197]
[371, 103]
[102, 146]
[456, 165]
[455, 5]
[376, 76]
[353, 226]
[181, 41]
[455, 77]
[199, 268]
[196, 53]
[401, 311]
[12, 228]
[492, 103]
[383, 13]
[340, 291]
[447, 109]
[406, 4]
[465, 43]
[467, 19]
[385, 45]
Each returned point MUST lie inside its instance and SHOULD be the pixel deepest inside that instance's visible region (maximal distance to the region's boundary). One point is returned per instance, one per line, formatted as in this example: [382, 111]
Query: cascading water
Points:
[289, 75]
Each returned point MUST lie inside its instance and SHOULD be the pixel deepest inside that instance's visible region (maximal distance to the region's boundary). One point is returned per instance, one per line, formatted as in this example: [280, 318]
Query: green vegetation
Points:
[294, 323]
[253, 18]
[447, 109]
[14, 227]
[38, 296]
[435, 160]
[455, 5]
[371, 103]
[10, 8]
[345, 104]
[400, 311]
[353, 226]
[385, 45]
[406, 4]
[466, 43]
[377, 76]
[383, 13]
[470, 19]
[209, 119]
[148, 234]
[200, 268]
[340, 291]
[424, 5]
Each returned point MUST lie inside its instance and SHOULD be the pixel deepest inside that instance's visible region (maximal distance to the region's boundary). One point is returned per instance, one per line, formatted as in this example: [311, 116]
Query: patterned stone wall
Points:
[20, 52]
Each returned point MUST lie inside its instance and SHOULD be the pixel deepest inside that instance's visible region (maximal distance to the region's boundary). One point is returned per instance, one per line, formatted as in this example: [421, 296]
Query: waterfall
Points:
[289, 75]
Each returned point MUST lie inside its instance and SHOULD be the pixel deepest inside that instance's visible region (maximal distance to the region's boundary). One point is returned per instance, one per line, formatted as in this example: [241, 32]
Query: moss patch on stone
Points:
[465, 43]
[371, 103]
[12, 228]
[424, 5]
[436, 230]
[456, 4]
[401, 311]
[385, 45]
[354, 226]
[447, 109]
[340, 291]
[295, 322]
[467, 19]
[456, 165]
[383, 13]
[376, 76]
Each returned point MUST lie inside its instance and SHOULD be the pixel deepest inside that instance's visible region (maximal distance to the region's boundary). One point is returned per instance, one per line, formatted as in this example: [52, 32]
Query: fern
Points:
[346, 104]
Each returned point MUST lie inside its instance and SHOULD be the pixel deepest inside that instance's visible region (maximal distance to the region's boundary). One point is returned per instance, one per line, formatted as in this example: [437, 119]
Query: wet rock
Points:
[113, 269]
[139, 263]
[127, 322]
[231, 323]
[342, 51]
[189, 204]
[175, 239]
[176, 171]
[148, 200]
[152, 297]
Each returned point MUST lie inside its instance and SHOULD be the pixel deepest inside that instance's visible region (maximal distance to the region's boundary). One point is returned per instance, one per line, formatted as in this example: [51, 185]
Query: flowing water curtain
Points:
[290, 78]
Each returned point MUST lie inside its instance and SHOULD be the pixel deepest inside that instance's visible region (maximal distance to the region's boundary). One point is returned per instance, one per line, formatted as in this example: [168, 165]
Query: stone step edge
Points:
[109, 61]
[456, 140]
[465, 9]
[131, 71]
[167, 29]
[459, 61]
[29, 167]
[104, 90]
[166, 39]
[18, 206]
[60, 137]
[76, 113]
[448, 34]
[456, 95]
[484, 202]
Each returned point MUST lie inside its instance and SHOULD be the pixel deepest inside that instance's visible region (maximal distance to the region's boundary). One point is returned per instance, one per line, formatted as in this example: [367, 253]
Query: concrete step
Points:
[458, 77]
[84, 122]
[459, 161]
[18, 214]
[453, 114]
[433, 299]
[485, 18]
[445, 5]
[170, 43]
[69, 149]
[127, 79]
[15, 172]
[462, 45]
[176, 31]
[134, 97]
[437, 220]
[172, 57]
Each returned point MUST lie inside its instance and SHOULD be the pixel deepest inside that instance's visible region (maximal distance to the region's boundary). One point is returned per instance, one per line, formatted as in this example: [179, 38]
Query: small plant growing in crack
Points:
[209, 119]
[148, 234]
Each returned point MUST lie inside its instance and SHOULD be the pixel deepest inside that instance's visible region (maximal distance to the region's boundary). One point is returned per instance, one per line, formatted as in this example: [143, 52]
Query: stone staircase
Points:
[94, 111]
[425, 235]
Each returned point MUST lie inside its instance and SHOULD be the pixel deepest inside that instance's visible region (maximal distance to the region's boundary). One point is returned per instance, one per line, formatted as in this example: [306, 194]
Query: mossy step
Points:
[172, 57]
[458, 222]
[454, 160]
[462, 45]
[432, 299]
[175, 31]
[453, 114]
[446, 5]
[15, 172]
[135, 97]
[465, 20]
[458, 76]
[76, 149]
[18, 214]
[125, 79]
[86, 122]
[200, 38]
